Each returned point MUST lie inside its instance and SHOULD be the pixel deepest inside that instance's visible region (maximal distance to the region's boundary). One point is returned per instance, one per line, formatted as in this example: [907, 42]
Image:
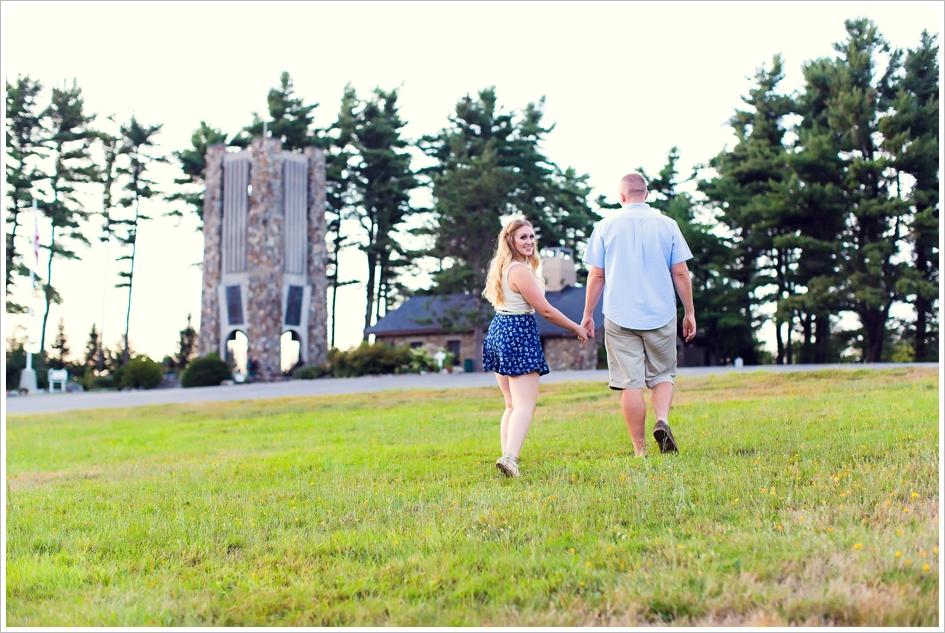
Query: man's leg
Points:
[662, 396]
[660, 374]
[634, 412]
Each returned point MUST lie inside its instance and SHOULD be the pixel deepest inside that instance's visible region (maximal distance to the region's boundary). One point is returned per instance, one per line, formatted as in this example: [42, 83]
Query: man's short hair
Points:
[633, 183]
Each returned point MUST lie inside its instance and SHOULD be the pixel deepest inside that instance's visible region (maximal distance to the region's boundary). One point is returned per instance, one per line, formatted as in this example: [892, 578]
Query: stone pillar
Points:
[264, 255]
[209, 339]
[317, 259]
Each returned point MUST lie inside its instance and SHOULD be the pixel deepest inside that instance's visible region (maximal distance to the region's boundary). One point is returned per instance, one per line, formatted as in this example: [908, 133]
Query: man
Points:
[635, 258]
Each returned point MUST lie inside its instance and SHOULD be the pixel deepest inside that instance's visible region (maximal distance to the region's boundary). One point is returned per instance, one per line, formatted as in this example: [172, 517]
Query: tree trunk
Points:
[131, 278]
[790, 329]
[777, 337]
[48, 287]
[372, 263]
[822, 328]
[334, 299]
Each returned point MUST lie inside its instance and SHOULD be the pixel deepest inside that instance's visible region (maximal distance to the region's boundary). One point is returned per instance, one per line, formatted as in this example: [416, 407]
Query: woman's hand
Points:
[581, 333]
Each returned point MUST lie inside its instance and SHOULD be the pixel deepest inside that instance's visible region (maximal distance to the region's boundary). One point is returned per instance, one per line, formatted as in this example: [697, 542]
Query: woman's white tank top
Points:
[513, 302]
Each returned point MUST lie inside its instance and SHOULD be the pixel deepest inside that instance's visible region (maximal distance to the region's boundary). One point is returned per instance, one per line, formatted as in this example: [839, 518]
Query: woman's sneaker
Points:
[507, 465]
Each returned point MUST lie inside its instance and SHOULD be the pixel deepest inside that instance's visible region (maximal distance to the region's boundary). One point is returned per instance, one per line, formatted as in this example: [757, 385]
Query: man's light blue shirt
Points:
[636, 248]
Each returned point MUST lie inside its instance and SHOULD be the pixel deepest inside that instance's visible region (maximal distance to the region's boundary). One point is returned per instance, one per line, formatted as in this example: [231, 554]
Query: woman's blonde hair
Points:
[504, 256]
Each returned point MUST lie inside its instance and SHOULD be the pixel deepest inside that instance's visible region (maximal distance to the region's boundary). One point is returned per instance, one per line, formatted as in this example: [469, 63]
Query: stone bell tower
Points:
[264, 264]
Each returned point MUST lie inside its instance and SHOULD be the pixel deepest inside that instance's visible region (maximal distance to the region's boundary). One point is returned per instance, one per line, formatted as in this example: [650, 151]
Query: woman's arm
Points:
[521, 280]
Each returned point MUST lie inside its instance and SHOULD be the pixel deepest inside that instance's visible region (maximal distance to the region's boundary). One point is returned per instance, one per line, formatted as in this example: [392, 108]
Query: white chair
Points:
[57, 375]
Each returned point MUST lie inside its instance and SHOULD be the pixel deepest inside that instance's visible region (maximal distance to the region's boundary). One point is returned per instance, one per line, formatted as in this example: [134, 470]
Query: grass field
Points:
[796, 499]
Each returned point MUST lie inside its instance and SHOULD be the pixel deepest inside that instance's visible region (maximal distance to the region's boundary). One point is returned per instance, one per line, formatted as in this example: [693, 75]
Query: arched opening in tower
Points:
[291, 351]
[237, 349]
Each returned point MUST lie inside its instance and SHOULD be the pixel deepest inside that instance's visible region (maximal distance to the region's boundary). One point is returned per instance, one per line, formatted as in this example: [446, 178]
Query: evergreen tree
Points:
[70, 142]
[25, 139]
[290, 120]
[107, 177]
[136, 149]
[742, 196]
[727, 329]
[911, 137]
[93, 349]
[382, 180]
[339, 194]
[60, 347]
[875, 226]
[186, 347]
[193, 162]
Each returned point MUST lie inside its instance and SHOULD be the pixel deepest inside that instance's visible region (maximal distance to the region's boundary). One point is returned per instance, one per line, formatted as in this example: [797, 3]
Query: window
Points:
[453, 348]
[416, 344]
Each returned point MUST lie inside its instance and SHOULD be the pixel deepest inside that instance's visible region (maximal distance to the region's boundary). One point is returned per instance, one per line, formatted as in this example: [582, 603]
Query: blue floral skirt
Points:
[512, 346]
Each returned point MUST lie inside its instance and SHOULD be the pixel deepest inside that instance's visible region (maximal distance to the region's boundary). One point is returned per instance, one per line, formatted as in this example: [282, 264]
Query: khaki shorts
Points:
[640, 357]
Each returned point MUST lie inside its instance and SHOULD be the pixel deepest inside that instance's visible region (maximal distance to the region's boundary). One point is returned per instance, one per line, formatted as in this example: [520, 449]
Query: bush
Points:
[101, 382]
[141, 372]
[421, 360]
[208, 371]
[310, 372]
[369, 360]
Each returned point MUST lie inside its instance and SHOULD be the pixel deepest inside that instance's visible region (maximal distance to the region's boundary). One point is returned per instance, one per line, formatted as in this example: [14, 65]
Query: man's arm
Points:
[683, 284]
[595, 285]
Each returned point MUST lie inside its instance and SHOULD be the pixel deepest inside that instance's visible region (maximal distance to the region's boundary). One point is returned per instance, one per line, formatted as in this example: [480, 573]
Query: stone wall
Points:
[570, 353]
[264, 254]
[209, 339]
[436, 342]
[317, 352]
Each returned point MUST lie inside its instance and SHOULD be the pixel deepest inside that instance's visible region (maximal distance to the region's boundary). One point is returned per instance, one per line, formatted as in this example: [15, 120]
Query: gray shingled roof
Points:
[424, 314]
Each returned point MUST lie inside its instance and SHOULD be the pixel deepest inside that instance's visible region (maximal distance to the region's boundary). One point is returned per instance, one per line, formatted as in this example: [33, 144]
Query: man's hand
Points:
[588, 324]
[689, 327]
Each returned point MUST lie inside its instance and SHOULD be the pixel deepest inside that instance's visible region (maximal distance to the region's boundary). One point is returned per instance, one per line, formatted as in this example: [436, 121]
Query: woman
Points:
[512, 348]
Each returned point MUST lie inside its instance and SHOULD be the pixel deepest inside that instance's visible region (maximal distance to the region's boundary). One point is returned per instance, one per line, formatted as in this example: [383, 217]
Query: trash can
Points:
[468, 365]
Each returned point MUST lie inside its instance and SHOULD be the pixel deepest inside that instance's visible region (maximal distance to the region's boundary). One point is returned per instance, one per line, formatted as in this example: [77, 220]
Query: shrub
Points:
[142, 372]
[421, 360]
[369, 360]
[101, 382]
[310, 372]
[206, 372]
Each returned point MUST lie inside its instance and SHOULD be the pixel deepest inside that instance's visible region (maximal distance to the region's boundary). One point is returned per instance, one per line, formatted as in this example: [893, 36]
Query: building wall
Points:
[561, 353]
[570, 353]
[209, 338]
[435, 342]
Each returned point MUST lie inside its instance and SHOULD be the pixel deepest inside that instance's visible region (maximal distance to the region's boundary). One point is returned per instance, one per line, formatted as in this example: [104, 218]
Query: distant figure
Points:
[636, 257]
[512, 347]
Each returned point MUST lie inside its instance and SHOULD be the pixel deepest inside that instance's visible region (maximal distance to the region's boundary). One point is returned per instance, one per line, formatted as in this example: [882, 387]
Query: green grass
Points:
[800, 499]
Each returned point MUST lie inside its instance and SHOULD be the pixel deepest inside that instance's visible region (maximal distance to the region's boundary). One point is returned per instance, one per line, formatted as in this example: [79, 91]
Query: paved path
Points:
[48, 403]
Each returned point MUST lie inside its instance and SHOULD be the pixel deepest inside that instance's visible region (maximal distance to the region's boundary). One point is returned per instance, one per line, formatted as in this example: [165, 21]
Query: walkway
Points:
[50, 403]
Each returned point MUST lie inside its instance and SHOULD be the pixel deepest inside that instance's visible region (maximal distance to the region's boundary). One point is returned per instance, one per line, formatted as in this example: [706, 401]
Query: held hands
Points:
[689, 327]
[581, 334]
[588, 324]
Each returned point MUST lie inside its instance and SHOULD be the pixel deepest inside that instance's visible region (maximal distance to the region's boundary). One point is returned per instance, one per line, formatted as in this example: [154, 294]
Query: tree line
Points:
[827, 203]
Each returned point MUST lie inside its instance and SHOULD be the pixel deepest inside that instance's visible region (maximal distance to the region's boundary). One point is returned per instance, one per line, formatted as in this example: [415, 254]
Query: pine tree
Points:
[193, 162]
[93, 349]
[60, 347]
[382, 179]
[339, 193]
[186, 347]
[70, 142]
[875, 226]
[742, 196]
[24, 138]
[911, 137]
[136, 146]
[290, 120]
[727, 328]
[107, 177]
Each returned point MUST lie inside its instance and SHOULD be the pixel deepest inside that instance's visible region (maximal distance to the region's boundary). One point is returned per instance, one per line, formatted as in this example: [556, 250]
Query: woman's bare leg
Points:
[524, 393]
[504, 427]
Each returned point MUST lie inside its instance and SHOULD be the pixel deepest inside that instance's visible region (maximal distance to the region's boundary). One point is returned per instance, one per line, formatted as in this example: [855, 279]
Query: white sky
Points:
[623, 84]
